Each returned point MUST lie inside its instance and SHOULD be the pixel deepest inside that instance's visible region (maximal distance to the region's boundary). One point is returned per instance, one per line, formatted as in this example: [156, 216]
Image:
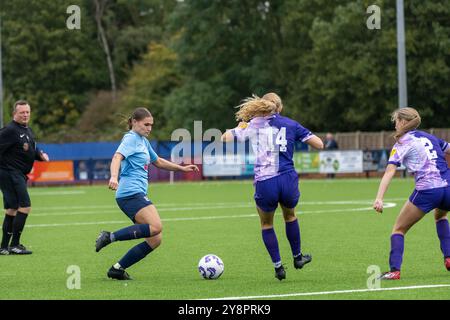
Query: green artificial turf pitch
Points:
[338, 227]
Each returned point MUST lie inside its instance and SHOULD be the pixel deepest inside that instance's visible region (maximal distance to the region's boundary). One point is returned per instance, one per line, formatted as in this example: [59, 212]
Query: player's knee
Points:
[155, 228]
[439, 218]
[440, 215]
[266, 225]
[289, 217]
[155, 241]
[399, 230]
[158, 242]
[25, 210]
[11, 212]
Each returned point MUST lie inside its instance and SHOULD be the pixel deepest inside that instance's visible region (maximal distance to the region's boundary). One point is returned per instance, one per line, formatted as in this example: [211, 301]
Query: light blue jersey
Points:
[138, 154]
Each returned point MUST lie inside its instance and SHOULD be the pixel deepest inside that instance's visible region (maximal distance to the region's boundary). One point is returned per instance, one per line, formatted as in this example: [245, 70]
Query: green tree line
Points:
[197, 59]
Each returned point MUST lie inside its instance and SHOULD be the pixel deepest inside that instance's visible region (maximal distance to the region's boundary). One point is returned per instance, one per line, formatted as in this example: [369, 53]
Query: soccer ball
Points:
[210, 266]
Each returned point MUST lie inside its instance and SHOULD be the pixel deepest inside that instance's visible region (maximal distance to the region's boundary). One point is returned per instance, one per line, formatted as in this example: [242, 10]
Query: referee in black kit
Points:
[18, 151]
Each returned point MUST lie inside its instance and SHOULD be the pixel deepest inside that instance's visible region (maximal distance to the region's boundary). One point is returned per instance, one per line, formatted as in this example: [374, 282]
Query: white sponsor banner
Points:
[222, 165]
[341, 161]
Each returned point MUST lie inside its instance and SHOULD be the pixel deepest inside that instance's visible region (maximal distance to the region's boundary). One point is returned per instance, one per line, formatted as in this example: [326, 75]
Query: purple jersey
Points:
[424, 156]
[273, 139]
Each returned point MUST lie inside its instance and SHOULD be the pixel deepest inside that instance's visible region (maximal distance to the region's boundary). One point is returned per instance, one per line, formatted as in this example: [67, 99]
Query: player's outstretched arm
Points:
[167, 165]
[315, 142]
[384, 184]
[115, 167]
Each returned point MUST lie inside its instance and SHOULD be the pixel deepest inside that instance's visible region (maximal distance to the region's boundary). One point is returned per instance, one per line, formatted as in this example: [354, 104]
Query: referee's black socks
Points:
[7, 230]
[17, 228]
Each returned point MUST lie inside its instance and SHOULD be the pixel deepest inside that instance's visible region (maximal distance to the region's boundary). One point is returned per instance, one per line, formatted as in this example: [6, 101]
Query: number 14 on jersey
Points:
[280, 139]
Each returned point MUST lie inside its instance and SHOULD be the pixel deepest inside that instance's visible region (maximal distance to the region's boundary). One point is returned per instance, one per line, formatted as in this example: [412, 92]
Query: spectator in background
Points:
[330, 144]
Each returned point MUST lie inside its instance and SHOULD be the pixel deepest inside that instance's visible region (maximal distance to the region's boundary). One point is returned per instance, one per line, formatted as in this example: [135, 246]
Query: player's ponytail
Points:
[273, 97]
[255, 107]
[138, 115]
[412, 118]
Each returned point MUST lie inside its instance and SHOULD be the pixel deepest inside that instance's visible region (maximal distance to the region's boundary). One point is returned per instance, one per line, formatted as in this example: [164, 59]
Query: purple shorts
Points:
[427, 200]
[281, 189]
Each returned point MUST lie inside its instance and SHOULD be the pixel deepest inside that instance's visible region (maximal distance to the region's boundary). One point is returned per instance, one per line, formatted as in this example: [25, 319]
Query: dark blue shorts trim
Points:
[132, 204]
[427, 200]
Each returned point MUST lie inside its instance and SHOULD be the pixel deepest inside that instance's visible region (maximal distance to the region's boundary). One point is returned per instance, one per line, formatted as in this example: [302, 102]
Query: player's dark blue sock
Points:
[135, 254]
[293, 235]
[7, 230]
[443, 231]
[17, 227]
[136, 231]
[396, 255]
[271, 242]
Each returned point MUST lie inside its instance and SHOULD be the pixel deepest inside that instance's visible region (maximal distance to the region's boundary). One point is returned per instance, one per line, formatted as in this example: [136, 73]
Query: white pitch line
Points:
[168, 206]
[175, 209]
[74, 224]
[159, 210]
[386, 205]
[125, 221]
[301, 181]
[200, 218]
[56, 193]
[303, 294]
[158, 205]
[77, 213]
[46, 209]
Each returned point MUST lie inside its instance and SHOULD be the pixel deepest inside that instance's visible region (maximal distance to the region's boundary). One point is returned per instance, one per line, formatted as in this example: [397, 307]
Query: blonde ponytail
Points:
[412, 118]
[273, 97]
[255, 107]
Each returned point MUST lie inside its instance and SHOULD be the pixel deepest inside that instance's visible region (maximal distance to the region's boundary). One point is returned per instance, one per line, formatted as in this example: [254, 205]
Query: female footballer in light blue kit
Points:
[423, 155]
[133, 158]
[272, 137]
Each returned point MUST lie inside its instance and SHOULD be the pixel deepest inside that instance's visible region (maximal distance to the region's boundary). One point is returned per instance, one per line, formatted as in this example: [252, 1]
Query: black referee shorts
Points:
[14, 188]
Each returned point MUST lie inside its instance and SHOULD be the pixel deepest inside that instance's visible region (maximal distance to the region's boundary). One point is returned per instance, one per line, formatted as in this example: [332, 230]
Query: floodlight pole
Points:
[401, 56]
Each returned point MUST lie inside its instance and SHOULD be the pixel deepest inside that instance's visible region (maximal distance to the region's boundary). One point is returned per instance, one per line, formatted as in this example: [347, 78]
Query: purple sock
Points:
[396, 255]
[271, 242]
[293, 235]
[443, 231]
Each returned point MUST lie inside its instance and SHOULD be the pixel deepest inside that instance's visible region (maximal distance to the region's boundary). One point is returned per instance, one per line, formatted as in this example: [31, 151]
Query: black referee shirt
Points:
[18, 150]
